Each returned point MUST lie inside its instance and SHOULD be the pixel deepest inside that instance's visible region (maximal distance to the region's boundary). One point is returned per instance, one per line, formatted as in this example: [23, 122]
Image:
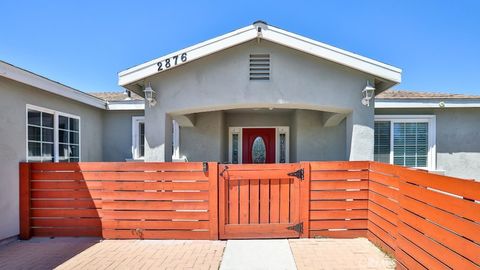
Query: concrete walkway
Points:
[257, 254]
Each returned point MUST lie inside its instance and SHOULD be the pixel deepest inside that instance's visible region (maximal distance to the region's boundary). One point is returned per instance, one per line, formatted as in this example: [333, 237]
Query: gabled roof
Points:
[24, 76]
[267, 32]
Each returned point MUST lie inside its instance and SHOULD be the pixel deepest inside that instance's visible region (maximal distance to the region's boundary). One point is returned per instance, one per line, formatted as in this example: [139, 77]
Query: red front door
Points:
[258, 145]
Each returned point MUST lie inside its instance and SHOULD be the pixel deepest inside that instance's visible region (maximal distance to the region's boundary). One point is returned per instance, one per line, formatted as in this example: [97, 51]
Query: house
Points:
[256, 95]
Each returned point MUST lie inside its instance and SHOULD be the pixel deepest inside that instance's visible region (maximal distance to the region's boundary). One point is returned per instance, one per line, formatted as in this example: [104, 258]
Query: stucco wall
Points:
[457, 139]
[313, 141]
[298, 81]
[13, 99]
[205, 141]
[117, 135]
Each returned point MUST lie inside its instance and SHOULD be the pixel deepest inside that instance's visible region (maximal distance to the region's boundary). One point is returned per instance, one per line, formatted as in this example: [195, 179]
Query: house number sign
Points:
[172, 61]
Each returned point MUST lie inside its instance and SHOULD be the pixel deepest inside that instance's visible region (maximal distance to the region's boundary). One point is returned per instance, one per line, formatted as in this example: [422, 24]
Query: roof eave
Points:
[440, 103]
[273, 34]
[29, 78]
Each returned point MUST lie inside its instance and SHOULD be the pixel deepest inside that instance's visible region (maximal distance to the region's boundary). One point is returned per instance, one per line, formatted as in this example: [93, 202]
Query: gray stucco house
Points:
[256, 95]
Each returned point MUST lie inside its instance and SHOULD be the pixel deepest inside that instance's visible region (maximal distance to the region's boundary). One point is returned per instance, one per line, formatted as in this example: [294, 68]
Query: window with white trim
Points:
[405, 140]
[52, 136]
[138, 138]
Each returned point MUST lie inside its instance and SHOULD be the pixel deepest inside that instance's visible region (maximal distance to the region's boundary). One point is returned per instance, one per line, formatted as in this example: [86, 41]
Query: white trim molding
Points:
[56, 114]
[260, 30]
[432, 146]
[279, 130]
[136, 121]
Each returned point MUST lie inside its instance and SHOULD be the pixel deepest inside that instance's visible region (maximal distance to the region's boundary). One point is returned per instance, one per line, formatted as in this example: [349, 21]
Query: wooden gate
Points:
[260, 201]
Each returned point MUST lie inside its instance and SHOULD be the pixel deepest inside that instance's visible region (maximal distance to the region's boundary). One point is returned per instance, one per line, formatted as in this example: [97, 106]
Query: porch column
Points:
[360, 136]
[158, 136]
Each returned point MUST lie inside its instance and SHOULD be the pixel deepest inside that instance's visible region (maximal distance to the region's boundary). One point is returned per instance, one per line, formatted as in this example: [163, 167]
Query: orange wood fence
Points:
[119, 200]
[426, 221]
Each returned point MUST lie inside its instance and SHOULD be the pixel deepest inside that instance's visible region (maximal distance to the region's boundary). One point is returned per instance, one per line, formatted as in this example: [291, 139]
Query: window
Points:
[52, 136]
[138, 138]
[405, 140]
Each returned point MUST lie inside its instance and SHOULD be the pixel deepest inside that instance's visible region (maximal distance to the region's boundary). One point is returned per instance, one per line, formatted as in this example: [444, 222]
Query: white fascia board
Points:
[427, 103]
[29, 78]
[272, 34]
[194, 52]
[126, 106]
[333, 54]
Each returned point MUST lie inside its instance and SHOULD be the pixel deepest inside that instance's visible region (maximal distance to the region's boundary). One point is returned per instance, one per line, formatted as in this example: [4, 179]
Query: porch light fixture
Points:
[367, 93]
[150, 95]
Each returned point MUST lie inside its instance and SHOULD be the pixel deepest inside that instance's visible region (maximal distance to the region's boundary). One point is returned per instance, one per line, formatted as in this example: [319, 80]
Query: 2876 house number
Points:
[172, 61]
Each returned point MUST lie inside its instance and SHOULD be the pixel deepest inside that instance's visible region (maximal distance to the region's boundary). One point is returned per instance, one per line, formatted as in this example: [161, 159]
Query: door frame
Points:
[278, 130]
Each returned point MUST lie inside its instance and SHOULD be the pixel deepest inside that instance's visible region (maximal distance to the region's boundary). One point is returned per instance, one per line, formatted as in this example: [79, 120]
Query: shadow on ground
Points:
[42, 253]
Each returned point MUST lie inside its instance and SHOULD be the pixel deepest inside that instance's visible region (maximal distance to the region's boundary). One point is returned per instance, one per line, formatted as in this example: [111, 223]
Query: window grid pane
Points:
[283, 148]
[40, 136]
[382, 141]
[141, 139]
[235, 148]
[410, 144]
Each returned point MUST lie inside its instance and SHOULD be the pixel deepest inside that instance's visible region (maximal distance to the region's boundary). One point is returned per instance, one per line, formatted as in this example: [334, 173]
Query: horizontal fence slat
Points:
[386, 214]
[384, 190]
[66, 222]
[152, 234]
[91, 213]
[379, 242]
[155, 185]
[154, 205]
[154, 224]
[338, 185]
[338, 205]
[384, 179]
[119, 176]
[424, 258]
[382, 237]
[67, 232]
[338, 214]
[118, 166]
[337, 224]
[67, 203]
[338, 175]
[339, 233]
[339, 194]
[132, 195]
[161, 215]
[385, 202]
[339, 165]
[70, 184]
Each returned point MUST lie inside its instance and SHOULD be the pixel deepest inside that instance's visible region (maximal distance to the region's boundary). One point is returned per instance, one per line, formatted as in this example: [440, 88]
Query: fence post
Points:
[213, 199]
[305, 199]
[24, 200]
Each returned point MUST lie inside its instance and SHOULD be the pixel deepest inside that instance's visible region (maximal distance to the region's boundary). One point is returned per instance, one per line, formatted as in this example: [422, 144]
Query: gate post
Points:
[213, 199]
[305, 199]
[24, 200]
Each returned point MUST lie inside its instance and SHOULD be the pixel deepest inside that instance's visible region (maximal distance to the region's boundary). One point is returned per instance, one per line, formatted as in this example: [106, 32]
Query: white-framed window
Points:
[138, 138]
[52, 136]
[282, 144]
[406, 140]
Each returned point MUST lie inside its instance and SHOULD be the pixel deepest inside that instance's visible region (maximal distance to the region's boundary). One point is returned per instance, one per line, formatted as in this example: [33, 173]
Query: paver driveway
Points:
[91, 253]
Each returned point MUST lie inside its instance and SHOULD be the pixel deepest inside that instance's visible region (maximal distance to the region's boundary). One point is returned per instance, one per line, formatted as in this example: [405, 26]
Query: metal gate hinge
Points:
[299, 174]
[298, 227]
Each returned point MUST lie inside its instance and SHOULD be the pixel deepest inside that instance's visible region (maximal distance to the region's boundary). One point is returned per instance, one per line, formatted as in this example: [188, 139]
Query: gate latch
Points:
[298, 227]
[298, 174]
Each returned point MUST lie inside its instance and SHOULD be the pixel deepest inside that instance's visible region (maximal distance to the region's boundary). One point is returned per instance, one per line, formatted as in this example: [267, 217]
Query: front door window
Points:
[259, 150]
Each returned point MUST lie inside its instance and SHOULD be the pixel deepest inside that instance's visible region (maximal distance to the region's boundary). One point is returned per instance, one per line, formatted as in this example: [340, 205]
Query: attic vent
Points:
[259, 67]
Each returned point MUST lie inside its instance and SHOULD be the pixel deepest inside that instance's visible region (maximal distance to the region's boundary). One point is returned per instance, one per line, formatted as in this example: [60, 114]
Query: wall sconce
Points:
[367, 93]
[150, 95]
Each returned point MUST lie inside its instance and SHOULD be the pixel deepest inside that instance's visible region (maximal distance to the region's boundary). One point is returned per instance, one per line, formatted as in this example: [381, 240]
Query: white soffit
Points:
[272, 34]
[26, 77]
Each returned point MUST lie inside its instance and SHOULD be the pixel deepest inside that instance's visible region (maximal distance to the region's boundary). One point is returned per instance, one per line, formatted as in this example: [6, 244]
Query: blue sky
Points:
[84, 44]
